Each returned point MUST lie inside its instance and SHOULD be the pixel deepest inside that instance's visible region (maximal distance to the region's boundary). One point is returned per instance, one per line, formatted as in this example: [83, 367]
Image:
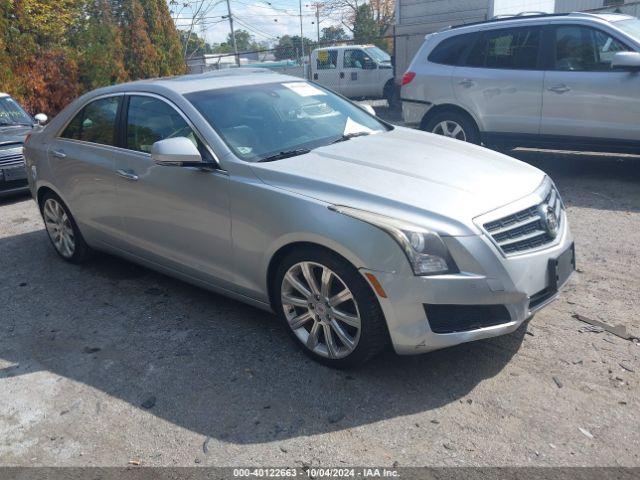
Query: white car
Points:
[568, 81]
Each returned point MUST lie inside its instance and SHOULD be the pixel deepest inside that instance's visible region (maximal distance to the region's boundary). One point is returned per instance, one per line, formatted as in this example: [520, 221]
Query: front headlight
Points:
[425, 250]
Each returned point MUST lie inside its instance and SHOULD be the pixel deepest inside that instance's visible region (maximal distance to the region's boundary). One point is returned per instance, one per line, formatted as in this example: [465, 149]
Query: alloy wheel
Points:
[451, 129]
[59, 228]
[321, 310]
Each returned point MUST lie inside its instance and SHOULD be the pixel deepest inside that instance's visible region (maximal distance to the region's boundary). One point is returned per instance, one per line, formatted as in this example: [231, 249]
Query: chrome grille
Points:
[525, 230]
[11, 156]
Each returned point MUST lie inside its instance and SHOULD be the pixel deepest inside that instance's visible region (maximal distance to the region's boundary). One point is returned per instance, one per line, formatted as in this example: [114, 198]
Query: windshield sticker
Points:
[304, 89]
[245, 150]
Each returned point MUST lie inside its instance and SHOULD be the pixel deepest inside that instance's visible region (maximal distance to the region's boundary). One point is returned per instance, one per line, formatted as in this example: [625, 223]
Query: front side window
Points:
[450, 50]
[509, 48]
[11, 113]
[150, 120]
[95, 123]
[259, 121]
[584, 49]
[357, 59]
[327, 60]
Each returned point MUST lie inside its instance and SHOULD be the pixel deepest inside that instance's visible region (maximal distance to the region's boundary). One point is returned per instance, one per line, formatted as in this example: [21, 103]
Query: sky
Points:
[258, 17]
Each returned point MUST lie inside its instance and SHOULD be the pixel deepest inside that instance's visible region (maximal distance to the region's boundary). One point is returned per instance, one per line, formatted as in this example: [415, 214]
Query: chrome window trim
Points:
[128, 150]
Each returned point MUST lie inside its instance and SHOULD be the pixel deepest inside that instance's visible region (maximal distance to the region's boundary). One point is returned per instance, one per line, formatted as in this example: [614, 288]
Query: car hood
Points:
[14, 134]
[427, 179]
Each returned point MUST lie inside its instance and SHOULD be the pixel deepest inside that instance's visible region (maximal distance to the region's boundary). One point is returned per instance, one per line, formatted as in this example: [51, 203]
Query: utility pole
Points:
[233, 35]
[317, 5]
[301, 34]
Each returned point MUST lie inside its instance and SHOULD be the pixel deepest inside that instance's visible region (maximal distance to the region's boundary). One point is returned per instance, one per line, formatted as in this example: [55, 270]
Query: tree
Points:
[100, 66]
[196, 45]
[290, 47]
[365, 28]
[332, 34]
[345, 11]
[141, 58]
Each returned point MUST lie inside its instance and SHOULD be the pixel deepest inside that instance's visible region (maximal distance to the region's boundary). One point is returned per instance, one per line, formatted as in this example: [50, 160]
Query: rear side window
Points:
[95, 123]
[450, 50]
[327, 59]
[509, 48]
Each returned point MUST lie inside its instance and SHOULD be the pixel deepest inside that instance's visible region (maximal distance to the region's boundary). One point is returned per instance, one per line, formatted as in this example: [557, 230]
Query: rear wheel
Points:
[62, 230]
[329, 308]
[453, 125]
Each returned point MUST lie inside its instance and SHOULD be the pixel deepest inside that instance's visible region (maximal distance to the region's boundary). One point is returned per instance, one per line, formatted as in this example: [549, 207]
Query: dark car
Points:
[15, 125]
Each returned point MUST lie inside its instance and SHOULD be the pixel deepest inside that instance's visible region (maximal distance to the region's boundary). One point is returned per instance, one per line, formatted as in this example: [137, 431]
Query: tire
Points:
[391, 94]
[62, 230]
[469, 130]
[352, 342]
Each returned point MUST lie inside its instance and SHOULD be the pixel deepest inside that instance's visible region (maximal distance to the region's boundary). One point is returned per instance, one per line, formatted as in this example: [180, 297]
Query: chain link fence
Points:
[355, 70]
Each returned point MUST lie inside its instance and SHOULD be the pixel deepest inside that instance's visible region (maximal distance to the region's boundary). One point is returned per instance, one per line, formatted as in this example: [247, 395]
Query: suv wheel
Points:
[329, 308]
[62, 230]
[453, 125]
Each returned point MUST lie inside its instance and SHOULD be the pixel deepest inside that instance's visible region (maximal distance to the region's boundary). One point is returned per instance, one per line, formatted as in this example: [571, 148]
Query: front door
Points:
[501, 80]
[583, 96]
[360, 74]
[176, 217]
[326, 71]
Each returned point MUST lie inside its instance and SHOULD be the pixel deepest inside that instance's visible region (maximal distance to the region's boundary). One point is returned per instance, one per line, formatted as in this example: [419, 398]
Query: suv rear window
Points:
[450, 50]
[507, 48]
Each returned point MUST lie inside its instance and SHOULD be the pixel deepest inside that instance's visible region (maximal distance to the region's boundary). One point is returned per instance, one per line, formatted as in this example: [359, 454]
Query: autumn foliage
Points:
[53, 50]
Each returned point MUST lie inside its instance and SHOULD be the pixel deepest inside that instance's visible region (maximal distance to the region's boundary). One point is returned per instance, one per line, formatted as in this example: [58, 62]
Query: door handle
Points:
[467, 82]
[58, 153]
[341, 74]
[559, 88]
[128, 174]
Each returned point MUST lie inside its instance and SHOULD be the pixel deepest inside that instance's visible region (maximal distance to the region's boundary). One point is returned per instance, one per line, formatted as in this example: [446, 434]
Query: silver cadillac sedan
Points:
[284, 195]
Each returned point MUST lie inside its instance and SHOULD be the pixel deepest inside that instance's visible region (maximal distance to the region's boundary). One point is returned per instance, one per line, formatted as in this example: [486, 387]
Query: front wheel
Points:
[453, 125]
[329, 309]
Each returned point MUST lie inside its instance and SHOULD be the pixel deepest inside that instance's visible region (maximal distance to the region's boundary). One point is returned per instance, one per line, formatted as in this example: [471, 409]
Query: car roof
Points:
[230, 77]
[535, 17]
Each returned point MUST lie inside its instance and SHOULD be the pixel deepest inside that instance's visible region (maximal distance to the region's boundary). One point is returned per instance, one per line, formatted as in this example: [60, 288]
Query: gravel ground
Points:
[108, 362]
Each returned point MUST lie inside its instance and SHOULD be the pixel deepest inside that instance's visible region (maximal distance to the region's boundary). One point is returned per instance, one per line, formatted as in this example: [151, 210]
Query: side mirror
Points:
[369, 65]
[368, 108]
[41, 118]
[177, 152]
[626, 61]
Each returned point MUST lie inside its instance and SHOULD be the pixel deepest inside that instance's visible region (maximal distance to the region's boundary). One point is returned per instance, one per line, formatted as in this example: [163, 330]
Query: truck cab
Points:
[355, 71]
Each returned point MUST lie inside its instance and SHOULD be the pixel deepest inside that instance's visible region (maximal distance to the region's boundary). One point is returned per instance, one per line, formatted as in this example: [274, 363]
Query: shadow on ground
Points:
[215, 366]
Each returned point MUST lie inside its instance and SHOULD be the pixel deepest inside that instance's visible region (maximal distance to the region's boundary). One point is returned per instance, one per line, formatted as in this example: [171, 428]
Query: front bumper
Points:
[520, 284]
[13, 179]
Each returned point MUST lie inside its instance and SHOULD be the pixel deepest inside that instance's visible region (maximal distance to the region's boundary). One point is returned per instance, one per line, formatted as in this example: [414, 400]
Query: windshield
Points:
[378, 54]
[262, 121]
[11, 113]
[631, 27]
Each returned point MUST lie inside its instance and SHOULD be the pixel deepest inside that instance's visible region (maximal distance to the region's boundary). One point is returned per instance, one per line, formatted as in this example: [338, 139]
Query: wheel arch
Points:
[284, 250]
[43, 190]
[449, 107]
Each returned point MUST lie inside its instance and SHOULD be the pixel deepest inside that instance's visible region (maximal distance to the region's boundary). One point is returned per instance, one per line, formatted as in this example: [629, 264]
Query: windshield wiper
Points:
[349, 136]
[286, 154]
[14, 124]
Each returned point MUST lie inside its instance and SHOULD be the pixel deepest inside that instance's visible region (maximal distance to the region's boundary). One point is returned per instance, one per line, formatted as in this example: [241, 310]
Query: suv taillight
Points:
[408, 77]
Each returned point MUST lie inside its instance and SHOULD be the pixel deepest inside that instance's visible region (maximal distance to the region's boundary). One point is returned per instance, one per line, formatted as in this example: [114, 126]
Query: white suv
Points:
[570, 81]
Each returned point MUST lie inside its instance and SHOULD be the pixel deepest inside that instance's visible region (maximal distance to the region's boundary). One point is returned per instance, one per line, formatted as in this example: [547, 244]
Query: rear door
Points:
[501, 80]
[82, 158]
[583, 96]
[176, 217]
[326, 71]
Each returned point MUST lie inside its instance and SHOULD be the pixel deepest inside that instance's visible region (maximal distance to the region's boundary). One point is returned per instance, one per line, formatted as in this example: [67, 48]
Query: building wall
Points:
[510, 7]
